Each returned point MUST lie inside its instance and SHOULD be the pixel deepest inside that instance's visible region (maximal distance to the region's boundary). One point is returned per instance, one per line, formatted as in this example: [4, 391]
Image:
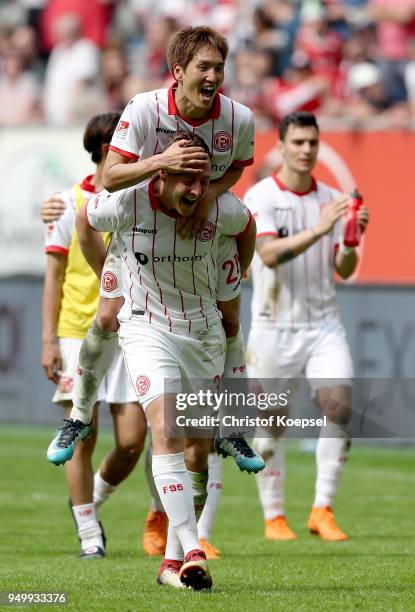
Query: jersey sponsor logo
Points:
[143, 384]
[161, 130]
[109, 281]
[222, 141]
[143, 259]
[65, 384]
[122, 129]
[143, 230]
[207, 233]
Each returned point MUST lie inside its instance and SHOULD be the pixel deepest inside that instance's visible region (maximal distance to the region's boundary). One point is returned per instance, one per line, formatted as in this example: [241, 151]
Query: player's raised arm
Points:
[121, 172]
[276, 251]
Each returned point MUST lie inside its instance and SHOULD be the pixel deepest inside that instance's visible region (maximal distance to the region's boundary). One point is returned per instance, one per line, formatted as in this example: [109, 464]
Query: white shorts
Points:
[114, 389]
[317, 354]
[111, 278]
[229, 274]
[155, 357]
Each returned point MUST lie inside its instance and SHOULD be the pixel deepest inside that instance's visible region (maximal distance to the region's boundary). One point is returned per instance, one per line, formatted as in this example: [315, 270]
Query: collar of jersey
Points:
[214, 112]
[86, 184]
[156, 204]
[299, 193]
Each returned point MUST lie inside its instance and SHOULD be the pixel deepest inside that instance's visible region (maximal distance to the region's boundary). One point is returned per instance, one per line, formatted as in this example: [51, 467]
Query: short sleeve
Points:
[59, 233]
[244, 155]
[132, 129]
[235, 217]
[102, 211]
[263, 212]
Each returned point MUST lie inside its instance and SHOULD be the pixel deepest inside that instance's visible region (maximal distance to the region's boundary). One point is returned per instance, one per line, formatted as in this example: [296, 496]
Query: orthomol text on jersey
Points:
[143, 259]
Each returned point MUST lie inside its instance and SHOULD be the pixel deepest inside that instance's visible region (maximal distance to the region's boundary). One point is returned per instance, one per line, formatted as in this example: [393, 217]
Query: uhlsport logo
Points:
[109, 281]
[207, 233]
[143, 384]
[222, 141]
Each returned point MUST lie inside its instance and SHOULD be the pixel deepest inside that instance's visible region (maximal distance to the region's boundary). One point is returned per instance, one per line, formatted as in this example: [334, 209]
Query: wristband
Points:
[346, 250]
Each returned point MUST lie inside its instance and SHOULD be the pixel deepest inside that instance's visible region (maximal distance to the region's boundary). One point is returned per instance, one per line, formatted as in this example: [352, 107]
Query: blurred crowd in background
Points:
[350, 61]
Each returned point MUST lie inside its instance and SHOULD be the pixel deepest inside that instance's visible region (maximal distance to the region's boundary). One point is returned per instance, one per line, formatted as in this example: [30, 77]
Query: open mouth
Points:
[207, 92]
[188, 201]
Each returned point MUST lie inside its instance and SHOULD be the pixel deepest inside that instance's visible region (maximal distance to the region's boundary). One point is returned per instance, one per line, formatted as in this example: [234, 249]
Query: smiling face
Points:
[182, 191]
[299, 148]
[200, 81]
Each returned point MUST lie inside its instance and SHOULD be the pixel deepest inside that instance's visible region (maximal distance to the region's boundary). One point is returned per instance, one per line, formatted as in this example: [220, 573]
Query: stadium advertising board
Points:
[37, 162]
[34, 163]
[380, 164]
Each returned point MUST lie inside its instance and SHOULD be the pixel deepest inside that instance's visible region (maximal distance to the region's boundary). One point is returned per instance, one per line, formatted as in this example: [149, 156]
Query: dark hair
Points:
[188, 41]
[99, 131]
[299, 119]
[194, 140]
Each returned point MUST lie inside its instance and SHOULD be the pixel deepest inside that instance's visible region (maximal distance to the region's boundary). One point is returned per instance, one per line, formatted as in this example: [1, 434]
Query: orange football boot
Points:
[210, 551]
[322, 522]
[277, 529]
[155, 533]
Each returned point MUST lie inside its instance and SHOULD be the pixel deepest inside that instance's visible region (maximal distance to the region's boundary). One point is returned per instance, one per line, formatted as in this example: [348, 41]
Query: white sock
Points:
[175, 490]
[156, 504]
[102, 489]
[214, 491]
[174, 549]
[235, 357]
[271, 479]
[95, 357]
[89, 530]
[331, 455]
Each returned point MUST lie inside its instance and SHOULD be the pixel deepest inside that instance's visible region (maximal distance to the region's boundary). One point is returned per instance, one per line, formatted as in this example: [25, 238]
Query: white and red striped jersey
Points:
[301, 292]
[152, 117]
[167, 281]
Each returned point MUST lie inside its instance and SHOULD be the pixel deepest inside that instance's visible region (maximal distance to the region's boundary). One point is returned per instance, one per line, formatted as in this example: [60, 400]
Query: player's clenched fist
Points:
[330, 213]
[52, 360]
[179, 157]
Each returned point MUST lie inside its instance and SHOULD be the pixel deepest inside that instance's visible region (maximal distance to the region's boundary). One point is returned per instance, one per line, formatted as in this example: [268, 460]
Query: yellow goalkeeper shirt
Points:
[80, 290]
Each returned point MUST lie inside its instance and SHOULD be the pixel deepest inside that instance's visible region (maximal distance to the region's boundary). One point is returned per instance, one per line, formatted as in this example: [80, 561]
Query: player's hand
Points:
[52, 360]
[52, 208]
[179, 157]
[188, 227]
[331, 212]
[363, 217]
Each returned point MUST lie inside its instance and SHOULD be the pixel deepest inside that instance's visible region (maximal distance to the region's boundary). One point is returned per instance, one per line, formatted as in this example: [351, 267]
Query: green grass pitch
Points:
[375, 570]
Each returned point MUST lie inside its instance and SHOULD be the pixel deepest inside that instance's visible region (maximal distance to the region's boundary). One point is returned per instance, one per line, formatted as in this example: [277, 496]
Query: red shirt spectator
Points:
[395, 21]
[95, 17]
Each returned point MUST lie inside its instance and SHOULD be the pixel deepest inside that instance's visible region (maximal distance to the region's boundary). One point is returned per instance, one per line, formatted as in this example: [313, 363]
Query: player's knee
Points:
[230, 317]
[337, 412]
[130, 450]
[107, 315]
[196, 454]
[231, 328]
